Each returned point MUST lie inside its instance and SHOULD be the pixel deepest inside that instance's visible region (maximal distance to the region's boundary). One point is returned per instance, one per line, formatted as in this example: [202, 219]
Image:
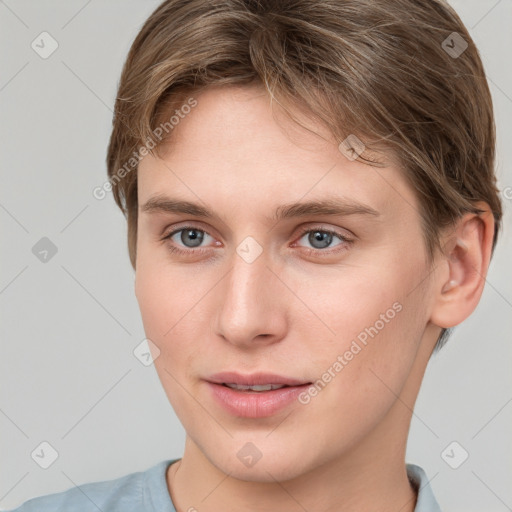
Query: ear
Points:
[462, 268]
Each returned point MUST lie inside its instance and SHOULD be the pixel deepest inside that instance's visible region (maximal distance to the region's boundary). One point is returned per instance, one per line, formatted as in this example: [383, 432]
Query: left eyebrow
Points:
[329, 206]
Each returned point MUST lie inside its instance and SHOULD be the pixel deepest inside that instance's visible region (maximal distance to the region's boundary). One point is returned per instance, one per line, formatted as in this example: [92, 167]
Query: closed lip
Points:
[254, 379]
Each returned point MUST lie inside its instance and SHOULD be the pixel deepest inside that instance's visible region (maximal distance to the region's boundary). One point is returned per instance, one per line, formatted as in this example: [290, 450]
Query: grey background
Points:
[70, 325]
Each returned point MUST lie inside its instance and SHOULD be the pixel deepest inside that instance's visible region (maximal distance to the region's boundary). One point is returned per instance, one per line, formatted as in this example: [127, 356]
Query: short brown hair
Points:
[384, 70]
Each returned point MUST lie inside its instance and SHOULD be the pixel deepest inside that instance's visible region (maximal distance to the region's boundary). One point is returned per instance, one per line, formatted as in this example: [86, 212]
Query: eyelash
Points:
[327, 252]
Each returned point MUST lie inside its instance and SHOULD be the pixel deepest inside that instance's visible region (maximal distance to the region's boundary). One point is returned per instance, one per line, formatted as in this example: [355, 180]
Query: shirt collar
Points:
[426, 501]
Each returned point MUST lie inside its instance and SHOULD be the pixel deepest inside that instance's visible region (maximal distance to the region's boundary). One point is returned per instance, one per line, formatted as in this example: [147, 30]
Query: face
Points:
[331, 301]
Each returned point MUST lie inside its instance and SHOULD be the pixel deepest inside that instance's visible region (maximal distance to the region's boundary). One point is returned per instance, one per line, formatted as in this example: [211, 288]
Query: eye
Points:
[321, 238]
[189, 236]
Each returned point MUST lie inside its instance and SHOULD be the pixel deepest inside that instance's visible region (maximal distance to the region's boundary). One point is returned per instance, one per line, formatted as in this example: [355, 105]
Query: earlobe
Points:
[466, 260]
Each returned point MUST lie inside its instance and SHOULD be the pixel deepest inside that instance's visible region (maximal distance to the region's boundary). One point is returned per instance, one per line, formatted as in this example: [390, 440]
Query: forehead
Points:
[234, 144]
[232, 117]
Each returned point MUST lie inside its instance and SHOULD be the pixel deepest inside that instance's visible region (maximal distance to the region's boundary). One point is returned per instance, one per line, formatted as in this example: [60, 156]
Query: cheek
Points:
[362, 369]
[164, 315]
[160, 303]
[375, 320]
[153, 303]
[171, 302]
[160, 288]
[349, 303]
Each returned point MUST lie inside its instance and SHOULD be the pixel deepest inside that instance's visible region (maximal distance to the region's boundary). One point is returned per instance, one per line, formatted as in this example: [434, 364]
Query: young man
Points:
[311, 203]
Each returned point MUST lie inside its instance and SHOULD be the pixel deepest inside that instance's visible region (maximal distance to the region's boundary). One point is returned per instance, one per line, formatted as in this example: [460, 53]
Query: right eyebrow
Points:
[162, 204]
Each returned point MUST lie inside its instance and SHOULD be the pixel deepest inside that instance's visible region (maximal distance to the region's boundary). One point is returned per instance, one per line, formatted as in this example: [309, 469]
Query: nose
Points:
[252, 304]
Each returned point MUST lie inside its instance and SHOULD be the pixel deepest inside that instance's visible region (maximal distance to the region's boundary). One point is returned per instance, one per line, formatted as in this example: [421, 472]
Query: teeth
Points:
[262, 387]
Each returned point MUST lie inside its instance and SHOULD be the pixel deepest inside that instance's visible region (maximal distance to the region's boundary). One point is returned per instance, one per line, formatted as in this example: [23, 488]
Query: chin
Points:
[268, 463]
[269, 472]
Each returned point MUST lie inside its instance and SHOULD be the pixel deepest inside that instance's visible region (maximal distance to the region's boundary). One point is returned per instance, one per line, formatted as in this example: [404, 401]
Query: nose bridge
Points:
[249, 307]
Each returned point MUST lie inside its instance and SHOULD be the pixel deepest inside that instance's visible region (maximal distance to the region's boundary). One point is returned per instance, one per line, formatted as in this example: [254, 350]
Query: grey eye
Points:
[190, 237]
[320, 239]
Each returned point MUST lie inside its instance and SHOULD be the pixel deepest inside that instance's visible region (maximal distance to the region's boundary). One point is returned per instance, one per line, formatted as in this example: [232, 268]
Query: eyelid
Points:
[176, 228]
[339, 232]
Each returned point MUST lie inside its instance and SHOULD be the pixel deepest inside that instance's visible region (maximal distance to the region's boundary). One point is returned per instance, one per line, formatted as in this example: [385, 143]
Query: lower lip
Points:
[255, 404]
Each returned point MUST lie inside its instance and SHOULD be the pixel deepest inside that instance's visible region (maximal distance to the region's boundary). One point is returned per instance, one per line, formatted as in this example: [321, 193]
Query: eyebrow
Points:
[333, 206]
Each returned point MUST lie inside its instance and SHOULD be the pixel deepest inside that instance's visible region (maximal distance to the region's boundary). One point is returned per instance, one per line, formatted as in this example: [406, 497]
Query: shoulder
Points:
[128, 493]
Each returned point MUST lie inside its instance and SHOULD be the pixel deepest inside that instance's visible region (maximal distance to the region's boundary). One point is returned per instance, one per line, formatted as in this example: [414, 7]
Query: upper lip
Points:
[254, 379]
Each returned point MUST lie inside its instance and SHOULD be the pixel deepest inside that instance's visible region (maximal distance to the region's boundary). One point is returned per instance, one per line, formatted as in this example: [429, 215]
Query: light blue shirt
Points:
[146, 491]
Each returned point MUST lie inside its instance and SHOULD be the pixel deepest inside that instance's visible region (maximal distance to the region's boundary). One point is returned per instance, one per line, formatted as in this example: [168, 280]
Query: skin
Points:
[290, 312]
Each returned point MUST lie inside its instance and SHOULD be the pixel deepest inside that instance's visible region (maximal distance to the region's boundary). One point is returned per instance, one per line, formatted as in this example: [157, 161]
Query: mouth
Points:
[256, 388]
[256, 395]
